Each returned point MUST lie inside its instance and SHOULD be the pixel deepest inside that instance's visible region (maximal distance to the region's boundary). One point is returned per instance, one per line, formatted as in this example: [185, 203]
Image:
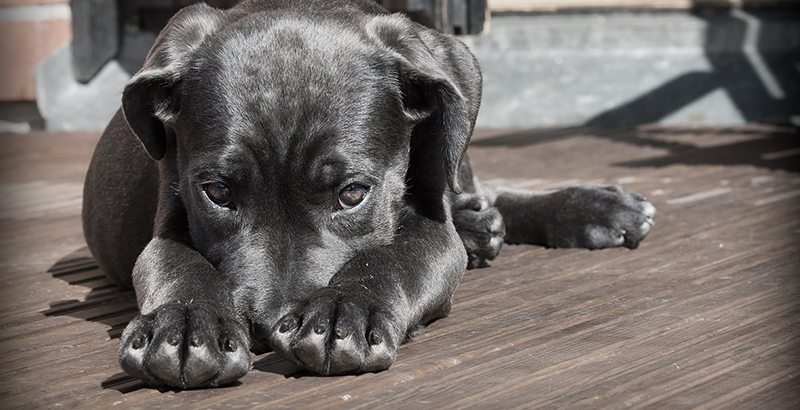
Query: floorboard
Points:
[705, 314]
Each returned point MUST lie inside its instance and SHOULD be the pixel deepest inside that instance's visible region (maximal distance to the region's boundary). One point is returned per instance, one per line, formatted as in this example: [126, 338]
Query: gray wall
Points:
[556, 69]
[675, 68]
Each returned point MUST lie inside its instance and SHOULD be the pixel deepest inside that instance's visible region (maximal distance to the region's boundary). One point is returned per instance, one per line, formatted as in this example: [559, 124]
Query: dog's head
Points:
[291, 142]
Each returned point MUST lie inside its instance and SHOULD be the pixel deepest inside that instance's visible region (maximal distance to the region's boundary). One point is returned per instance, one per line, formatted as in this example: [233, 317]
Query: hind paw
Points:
[600, 216]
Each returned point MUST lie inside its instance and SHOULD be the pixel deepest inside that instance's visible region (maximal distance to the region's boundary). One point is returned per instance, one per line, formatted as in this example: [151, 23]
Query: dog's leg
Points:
[187, 335]
[377, 300]
[586, 216]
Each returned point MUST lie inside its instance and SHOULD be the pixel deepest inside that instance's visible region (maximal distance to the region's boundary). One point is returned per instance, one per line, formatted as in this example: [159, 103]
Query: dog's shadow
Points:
[114, 307]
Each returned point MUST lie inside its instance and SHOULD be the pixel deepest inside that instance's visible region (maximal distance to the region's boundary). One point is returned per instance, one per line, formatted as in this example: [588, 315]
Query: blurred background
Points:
[546, 63]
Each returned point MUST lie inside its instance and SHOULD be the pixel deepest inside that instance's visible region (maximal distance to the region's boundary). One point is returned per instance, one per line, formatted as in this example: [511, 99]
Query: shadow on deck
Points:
[702, 315]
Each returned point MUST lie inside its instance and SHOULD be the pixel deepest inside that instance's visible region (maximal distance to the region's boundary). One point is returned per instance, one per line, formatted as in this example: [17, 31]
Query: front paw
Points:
[600, 216]
[337, 332]
[185, 346]
[480, 228]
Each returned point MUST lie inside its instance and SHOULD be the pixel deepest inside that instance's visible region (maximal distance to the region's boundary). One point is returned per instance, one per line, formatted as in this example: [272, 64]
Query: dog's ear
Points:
[440, 84]
[152, 98]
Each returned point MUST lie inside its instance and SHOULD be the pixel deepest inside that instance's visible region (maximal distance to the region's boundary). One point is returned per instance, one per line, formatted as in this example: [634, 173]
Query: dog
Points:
[292, 176]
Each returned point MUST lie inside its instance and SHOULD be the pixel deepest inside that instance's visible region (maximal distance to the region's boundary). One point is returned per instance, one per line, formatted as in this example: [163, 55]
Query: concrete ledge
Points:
[566, 69]
[68, 105]
[671, 67]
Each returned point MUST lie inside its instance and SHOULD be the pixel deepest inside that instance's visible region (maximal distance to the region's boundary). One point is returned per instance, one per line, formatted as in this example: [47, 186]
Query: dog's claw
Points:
[138, 342]
[287, 324]
[375, 338]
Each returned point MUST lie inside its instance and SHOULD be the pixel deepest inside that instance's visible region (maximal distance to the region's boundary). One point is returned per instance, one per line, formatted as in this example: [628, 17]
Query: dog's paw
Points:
[185, 346]
[600, 216]
[480, 227]
[337, 332]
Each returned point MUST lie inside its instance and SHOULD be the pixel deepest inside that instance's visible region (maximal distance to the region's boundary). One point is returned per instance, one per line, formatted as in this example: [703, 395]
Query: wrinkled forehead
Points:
[299, 65]
[293, 77]
[283, 87]
[296, 51]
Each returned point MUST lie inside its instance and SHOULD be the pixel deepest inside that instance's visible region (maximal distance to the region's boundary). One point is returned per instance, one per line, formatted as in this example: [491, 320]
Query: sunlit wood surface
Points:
[705, 314]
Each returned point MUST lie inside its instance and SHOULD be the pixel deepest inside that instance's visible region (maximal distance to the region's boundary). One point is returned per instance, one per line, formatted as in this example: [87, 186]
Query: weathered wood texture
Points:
[705, 314]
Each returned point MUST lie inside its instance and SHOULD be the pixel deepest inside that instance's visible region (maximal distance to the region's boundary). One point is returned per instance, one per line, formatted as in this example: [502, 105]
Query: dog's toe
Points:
[135, 343]
[382, 343]
[648, 210]
[348, 342]
[643, 220]
[165, 360]
[346, 355]
[599, 237]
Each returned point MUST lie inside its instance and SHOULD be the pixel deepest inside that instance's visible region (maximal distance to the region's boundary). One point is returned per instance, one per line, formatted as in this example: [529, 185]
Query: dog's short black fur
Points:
[304, 187]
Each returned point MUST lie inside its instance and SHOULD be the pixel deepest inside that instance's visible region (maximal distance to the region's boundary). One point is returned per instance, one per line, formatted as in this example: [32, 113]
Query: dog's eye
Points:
[219, 194]
[352, 195]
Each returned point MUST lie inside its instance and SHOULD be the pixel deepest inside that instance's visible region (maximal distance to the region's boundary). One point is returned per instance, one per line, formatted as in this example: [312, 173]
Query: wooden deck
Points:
[705, 314]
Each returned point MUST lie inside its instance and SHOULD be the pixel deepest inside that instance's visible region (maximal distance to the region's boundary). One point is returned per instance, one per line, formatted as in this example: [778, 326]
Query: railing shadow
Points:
[774, 148]
[115, 307]
[758, 74]
[105, 303]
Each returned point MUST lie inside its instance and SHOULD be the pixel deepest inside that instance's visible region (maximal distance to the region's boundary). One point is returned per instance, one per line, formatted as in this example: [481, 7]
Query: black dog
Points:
[304, 187]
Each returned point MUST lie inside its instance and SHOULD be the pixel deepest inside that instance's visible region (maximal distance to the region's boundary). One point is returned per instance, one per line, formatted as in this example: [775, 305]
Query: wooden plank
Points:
[702, 315]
